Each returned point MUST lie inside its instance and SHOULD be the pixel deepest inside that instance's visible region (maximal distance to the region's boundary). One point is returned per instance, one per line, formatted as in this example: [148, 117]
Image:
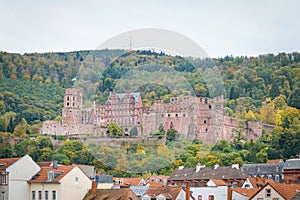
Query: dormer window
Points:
[50, 176]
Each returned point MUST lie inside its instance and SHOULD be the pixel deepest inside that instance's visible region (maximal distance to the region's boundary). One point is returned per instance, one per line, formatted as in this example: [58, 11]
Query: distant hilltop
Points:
[193, 117]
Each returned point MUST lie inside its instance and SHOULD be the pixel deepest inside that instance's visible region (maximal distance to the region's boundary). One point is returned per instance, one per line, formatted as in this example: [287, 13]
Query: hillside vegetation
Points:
[263, 88]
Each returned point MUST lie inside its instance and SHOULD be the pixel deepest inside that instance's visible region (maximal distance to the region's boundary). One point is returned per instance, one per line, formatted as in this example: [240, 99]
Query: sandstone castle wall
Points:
[193, 117]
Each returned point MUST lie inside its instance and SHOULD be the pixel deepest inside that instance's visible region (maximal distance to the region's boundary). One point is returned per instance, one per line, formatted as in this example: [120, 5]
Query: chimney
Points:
[216, 166]
[93, 191]
[55, 164]
[199, 166]
[236, 166]
[229, 192]
[187, 193]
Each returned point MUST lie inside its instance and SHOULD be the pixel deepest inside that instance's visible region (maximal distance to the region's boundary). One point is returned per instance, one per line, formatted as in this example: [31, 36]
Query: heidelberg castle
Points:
[192, 117]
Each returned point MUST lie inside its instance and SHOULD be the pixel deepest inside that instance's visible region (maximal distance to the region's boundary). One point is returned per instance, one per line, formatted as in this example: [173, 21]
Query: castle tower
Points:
[71, 112]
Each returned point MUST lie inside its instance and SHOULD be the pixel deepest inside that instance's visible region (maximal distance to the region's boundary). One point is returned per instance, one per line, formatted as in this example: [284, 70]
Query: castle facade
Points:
[192, 117]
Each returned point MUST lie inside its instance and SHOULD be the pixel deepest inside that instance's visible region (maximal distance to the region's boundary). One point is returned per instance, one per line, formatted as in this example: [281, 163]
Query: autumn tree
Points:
[114, 129]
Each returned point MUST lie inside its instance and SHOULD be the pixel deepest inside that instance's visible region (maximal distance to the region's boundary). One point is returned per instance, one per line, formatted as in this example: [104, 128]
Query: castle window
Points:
[169, 115]
[73, 104]
[204, 122]
[209, 106]
[73, 98]
[162, 115]
[68, 104]
[206, 130]
[176, 115]
[68, 98]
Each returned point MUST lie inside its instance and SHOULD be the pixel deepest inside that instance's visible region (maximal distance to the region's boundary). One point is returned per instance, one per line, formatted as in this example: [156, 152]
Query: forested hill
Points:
[263, 88]
[32, 85]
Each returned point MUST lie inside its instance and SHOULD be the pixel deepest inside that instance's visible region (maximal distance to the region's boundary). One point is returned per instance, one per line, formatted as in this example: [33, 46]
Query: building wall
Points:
[50, 187]
[292, 175]
[218, 192]
[182, 196]
[73, 188]
[19, 173]
[104, 185]
[4, 190]
[238, 196]
[67, 189]
[262, 194]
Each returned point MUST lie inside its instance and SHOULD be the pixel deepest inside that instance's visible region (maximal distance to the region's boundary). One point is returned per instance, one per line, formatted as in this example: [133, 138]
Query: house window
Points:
[76, 179]
[53, 195]
[199, 197]
[46, 195]
[3, 179]
[211, 197]
[33, 195]
[3, 196]
[268, 192]
[277, 178]
[40, 195]
[234, 184]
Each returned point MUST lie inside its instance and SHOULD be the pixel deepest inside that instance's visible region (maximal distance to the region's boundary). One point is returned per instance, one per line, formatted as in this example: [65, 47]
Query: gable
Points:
[23, 169]
[75, 172]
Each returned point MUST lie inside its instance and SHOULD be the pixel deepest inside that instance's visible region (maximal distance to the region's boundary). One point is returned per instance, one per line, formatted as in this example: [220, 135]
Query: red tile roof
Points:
[41, 164]
[259, 182]
[111, 194]
[247, 192]
[218, 182]
[42, 175]
[6, 162]
[154, 184]
[168, 192]
[157, 177]
[128, 181]
[274, 161]
[287, 191]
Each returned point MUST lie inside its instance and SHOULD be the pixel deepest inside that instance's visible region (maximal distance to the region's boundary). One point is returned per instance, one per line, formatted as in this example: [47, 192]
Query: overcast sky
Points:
[219, 27]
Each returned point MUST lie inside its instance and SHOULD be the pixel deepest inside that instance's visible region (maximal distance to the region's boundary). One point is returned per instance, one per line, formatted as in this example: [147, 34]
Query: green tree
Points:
[172, 135]
[114, 129]
[20, 131]
[238, 135]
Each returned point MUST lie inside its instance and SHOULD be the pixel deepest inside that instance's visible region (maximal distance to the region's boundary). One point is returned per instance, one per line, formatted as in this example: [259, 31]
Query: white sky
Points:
[220, 27]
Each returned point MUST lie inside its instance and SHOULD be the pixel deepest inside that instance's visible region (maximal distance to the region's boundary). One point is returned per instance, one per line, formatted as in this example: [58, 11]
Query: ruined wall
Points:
[201, 118]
